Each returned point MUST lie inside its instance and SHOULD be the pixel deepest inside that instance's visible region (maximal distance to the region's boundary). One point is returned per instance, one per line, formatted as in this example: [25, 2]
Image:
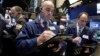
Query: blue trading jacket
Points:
[26, 40]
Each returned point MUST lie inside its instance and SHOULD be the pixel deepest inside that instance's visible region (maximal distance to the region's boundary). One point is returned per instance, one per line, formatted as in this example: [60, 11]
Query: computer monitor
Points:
[98, 8]
[95, 25]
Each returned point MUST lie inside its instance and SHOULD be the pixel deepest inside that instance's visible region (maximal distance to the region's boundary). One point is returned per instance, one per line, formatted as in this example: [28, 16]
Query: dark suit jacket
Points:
[26, 41]
[72, 29]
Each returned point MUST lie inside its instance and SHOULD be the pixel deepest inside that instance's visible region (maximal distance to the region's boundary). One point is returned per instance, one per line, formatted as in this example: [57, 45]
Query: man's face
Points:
[83, 20]
[47, 11]
[13, 13]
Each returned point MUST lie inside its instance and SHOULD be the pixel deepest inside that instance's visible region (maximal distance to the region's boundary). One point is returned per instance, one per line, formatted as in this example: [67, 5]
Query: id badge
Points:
[52, 28]
[85, 36]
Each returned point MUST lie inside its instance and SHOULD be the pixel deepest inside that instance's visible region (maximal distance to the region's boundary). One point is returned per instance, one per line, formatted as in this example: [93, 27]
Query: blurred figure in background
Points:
[17, 20]
[14, 22]
[16, 13]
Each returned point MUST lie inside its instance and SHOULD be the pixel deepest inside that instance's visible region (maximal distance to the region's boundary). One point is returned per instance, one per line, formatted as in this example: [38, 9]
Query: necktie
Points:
[79, 31]
[45, 25]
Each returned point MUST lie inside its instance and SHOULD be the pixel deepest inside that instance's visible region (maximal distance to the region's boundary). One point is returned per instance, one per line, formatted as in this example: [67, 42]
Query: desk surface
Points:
[97, 53]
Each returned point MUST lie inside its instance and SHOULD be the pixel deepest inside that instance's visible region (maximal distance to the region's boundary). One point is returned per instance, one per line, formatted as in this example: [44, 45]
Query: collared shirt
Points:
[41, 21]
[79, 29]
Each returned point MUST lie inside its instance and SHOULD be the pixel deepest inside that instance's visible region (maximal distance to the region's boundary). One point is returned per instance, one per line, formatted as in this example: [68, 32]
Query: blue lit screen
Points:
[95, 25]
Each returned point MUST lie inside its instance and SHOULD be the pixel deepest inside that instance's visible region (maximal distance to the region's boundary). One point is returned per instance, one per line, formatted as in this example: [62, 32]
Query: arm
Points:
[69, 32]
[27, 41]
[74, 40]
[25, 44]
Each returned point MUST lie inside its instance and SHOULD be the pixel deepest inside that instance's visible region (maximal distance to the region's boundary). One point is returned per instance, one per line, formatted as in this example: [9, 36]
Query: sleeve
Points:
[21, 21]
[91, 37]
[24, 43]
[69, 32]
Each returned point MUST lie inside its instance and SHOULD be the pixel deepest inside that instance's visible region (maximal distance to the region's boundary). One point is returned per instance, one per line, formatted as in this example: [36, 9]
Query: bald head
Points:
[47, 4]
[83, 19]
[47, 9]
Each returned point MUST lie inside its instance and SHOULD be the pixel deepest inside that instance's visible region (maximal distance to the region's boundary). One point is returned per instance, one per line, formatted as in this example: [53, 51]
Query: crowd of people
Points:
[26, 37]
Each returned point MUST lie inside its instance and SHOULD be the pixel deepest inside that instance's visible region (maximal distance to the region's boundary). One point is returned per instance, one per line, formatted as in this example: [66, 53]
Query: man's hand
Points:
[18, 26]
[57, 49]
[46, 35]
[77, 40]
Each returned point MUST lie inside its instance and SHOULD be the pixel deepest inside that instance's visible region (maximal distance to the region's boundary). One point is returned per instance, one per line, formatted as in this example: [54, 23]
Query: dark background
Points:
[9, 3]
[91, 9]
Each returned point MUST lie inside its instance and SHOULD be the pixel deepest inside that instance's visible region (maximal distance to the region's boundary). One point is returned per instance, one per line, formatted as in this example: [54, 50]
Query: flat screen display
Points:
[98, 8]
[95, 25]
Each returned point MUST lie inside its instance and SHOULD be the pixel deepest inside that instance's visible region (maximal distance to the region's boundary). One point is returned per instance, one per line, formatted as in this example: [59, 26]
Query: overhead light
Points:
[73, 1]
[76, 4]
